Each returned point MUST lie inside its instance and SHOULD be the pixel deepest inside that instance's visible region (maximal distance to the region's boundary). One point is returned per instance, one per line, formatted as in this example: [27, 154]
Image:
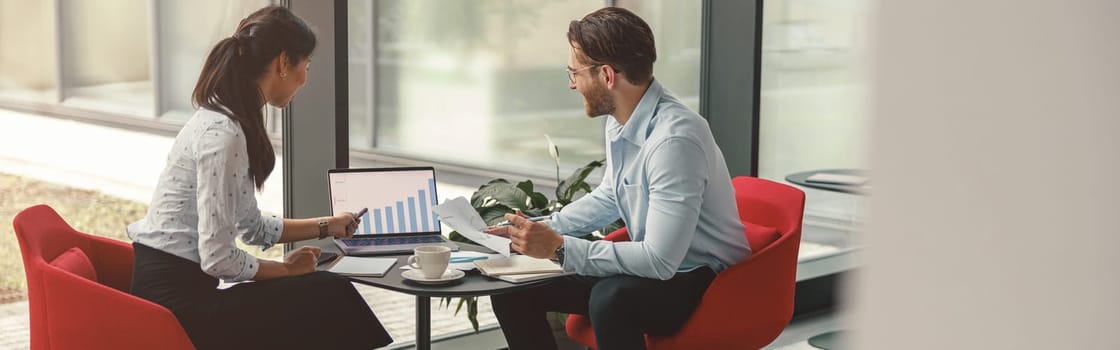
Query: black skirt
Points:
[320, 310]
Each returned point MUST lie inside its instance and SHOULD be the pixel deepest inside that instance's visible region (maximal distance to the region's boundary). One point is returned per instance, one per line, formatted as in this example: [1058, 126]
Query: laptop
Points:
[399, 205]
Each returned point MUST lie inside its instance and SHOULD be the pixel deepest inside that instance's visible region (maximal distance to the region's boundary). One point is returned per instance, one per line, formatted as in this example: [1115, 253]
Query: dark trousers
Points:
[315, 311]
[622, 308]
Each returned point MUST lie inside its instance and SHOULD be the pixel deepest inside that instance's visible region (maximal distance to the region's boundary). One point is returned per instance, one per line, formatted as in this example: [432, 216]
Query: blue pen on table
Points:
[466, 259]
[533, 219]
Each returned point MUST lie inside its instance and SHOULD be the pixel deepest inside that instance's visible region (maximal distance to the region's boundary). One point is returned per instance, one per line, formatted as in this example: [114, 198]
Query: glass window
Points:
[479, 83]
[676, 31]
[106, 55]
[187, 31]
[488, 77]
[27, 50]
[812, 106]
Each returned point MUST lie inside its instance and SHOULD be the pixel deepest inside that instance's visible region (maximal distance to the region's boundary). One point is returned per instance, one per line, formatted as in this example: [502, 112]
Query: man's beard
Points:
[599, 101]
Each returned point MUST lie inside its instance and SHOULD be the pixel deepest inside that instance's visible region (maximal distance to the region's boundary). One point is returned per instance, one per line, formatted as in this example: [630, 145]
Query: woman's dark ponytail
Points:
[228, 82]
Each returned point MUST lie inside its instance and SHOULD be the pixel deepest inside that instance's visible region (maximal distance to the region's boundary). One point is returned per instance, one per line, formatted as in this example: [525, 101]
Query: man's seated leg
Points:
[624, 308]
[522, 314]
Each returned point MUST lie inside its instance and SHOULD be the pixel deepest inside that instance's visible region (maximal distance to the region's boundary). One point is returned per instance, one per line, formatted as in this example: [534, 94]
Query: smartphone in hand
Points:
[326, 258]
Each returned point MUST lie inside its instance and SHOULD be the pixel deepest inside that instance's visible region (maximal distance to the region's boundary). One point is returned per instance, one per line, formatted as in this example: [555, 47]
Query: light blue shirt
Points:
[667, 179]
[205, 200]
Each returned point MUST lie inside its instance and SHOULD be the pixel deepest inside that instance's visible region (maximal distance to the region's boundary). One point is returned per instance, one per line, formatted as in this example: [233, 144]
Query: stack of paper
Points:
[529, 277]
[519, 268]
[839, 179]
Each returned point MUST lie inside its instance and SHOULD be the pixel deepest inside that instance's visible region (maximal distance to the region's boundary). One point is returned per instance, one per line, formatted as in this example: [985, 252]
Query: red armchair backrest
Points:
[769, 203]
[69, 311]
[749, 304]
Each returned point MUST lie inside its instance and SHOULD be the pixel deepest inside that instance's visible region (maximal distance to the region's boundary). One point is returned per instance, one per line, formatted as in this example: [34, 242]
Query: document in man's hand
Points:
[459, 214]
[517, 265]
[362, 266]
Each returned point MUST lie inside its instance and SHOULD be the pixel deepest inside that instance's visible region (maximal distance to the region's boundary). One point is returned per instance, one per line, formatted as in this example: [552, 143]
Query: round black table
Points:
[829, 340]
[802, 179]
[471, 285]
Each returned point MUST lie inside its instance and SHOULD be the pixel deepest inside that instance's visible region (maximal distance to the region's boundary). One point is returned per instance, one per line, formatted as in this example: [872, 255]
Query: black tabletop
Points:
[473, 284]
[802, 179]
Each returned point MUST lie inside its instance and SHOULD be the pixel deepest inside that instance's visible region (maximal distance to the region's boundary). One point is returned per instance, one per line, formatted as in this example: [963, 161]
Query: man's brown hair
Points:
[616, 37]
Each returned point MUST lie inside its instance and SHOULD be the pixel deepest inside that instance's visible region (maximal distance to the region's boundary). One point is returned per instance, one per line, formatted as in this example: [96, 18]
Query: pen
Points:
[533, 219]
[466, 259]
[358, 216]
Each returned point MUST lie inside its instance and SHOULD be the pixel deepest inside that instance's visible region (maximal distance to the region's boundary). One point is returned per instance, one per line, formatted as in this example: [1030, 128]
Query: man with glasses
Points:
[665, 177]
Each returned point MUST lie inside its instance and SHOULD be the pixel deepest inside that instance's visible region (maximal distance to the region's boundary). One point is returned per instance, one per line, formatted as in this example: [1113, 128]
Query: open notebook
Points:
[519, 268]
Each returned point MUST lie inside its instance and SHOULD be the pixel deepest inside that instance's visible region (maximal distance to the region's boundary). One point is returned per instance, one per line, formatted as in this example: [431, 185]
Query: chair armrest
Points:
[113, 261]
[747, 304]
[619, 235]
[82, 314]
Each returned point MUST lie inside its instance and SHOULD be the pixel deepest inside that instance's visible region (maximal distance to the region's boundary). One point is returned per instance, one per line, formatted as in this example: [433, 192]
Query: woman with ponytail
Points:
[205, 200]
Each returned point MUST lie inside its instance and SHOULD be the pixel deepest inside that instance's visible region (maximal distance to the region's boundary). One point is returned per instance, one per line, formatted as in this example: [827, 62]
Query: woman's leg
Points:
[314, 311]
[321, 310]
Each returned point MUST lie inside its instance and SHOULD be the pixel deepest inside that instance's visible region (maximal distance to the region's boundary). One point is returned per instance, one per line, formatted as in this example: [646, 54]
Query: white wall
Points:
[997, 177]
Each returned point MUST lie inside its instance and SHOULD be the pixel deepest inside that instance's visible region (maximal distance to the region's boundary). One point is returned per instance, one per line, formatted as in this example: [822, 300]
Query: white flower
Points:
[553, 151]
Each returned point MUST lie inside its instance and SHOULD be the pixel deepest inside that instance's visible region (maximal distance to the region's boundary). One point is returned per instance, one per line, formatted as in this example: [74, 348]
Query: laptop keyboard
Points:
[394, 240]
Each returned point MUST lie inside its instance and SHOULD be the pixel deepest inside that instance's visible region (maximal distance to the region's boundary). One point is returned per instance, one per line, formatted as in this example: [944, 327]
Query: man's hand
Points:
[301, 261]
[530, 238]
[500, 231]
[503, 230]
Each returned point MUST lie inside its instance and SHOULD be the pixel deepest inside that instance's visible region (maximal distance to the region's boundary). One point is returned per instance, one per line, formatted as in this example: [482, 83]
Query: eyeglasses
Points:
[572, 72]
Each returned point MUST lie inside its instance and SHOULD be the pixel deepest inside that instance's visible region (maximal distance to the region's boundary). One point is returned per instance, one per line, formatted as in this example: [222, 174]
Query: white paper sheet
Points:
[461, 216]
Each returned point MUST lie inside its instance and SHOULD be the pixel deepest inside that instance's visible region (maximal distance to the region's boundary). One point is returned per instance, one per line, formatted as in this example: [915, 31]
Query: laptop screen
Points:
[399, 200]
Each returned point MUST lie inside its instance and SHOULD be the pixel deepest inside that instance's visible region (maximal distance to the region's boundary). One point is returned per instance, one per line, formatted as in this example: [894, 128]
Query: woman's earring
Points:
[283, 76]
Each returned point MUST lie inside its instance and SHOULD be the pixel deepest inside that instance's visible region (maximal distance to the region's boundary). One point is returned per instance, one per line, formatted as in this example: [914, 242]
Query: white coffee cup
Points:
[431, 260]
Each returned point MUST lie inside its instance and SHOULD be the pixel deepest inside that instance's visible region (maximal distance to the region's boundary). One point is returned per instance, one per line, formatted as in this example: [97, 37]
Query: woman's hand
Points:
[342, 225]
[302, 260]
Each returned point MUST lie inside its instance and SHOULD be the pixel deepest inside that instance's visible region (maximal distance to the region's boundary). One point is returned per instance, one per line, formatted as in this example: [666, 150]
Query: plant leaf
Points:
[570, 186]
[537, 201]
[479, 197]
[537, 212]
[462, 300]
[494, 214]
[506, 194]
[526, 186]
[456, 237]
[617, 224]
[472, 313]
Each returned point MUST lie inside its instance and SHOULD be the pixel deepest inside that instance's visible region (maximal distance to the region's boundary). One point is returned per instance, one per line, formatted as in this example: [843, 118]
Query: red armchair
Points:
[750, 303]
[77, 288]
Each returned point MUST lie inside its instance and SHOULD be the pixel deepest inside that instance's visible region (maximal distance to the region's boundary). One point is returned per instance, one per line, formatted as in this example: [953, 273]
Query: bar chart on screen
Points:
[397, 202]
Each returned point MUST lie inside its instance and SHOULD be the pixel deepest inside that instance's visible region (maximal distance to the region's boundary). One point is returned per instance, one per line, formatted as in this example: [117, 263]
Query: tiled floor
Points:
[14, 331]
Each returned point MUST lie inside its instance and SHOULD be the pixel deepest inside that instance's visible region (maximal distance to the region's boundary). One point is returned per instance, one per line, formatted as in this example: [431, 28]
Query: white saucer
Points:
[418, 277]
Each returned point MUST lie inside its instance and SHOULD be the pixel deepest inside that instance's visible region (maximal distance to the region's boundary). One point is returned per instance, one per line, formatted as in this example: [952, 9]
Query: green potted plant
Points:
[500, 196]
